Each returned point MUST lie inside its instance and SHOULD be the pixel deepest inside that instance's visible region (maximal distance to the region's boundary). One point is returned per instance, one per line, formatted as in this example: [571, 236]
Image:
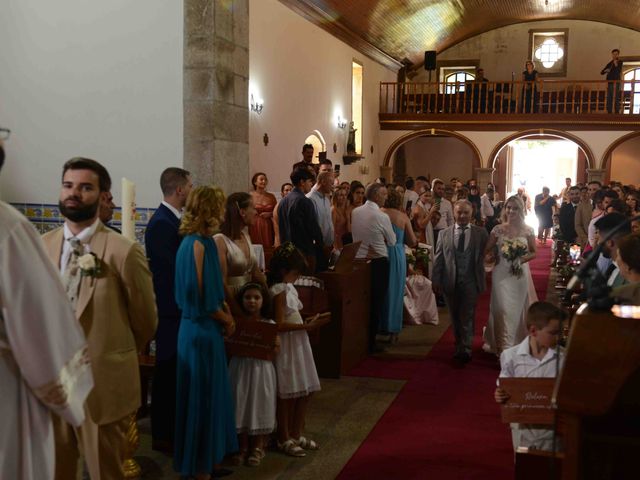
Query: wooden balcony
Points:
[568, 105]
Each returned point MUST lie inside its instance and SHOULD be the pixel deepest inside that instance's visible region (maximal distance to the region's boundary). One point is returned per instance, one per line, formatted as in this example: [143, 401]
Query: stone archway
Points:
[544, 132]
[586, 158]
[476, 160]
[607, 157]
[397, 147]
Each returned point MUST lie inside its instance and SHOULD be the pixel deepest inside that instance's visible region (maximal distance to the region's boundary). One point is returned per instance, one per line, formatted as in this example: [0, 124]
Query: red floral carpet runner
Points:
[444, 424]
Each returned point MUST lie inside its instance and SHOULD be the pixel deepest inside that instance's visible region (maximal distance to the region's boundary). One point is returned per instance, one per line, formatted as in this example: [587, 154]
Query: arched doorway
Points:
[319, 145]
[621, 160]
[534, 159]
[433, 153]
[498, 156]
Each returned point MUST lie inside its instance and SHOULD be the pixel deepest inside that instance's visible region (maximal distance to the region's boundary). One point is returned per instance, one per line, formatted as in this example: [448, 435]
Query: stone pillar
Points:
[596, 175]
[215, 92]
[484, 176]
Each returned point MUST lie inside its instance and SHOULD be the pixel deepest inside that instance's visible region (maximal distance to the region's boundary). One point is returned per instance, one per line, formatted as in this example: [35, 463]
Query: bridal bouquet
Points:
[513, 250]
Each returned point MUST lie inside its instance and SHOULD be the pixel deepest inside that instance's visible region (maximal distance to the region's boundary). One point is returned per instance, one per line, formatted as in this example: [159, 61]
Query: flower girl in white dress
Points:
[295, 368]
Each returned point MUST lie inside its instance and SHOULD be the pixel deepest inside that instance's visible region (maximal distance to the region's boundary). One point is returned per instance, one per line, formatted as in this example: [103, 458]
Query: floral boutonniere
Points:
[89, 265]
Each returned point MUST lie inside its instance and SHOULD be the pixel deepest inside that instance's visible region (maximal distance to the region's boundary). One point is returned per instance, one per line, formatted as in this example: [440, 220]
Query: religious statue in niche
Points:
[351, 139]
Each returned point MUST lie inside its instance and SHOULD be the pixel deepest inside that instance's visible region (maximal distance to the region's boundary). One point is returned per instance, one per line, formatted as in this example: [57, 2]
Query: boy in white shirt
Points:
[534, 357]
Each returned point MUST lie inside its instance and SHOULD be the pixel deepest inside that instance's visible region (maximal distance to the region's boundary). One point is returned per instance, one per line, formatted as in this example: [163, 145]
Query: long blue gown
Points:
[205, 418]
[393, 307]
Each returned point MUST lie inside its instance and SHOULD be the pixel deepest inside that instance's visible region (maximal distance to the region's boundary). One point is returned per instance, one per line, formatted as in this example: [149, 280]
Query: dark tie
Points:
[72, 274]
[461, 239]
[609, 271]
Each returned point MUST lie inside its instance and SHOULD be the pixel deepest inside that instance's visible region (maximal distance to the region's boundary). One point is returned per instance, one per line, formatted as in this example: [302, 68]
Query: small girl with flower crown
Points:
[295, 368]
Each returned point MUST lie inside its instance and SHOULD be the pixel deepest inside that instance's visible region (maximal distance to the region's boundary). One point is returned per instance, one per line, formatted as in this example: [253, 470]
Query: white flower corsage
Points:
[89, 265]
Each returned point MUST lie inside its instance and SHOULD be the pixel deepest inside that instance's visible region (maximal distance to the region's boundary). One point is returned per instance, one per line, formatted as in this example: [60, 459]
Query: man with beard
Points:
[307, 160]
[108, 283]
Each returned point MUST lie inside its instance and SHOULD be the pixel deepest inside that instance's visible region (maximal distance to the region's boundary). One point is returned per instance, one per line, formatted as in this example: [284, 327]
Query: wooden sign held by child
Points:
[253, 339]
[529, 400]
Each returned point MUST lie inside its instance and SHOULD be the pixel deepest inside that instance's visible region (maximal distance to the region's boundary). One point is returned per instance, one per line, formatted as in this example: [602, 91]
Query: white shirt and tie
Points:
[73, 247]
[457, 232]
[84, 236]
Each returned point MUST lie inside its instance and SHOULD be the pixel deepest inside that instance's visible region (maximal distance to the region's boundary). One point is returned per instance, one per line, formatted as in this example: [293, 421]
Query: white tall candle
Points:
[128, 209]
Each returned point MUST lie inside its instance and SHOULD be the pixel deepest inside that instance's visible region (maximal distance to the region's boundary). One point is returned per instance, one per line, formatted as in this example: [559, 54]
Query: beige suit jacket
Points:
[582, 220]
[117, 311]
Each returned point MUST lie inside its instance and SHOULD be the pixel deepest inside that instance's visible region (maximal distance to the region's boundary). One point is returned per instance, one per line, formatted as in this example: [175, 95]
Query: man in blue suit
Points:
[162, 241]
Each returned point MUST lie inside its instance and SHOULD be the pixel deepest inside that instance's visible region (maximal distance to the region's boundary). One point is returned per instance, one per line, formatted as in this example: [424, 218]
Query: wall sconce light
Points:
[256, 106]
[342, 122]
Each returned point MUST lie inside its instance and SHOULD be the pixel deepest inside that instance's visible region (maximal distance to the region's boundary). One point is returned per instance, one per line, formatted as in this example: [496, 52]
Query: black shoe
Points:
[462, 357]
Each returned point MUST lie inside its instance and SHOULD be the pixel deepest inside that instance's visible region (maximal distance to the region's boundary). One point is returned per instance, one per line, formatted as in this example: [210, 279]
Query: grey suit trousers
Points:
[462, 309]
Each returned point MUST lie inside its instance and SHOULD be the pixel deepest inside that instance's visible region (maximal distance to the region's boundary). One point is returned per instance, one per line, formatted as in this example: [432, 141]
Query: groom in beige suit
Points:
[108, 282]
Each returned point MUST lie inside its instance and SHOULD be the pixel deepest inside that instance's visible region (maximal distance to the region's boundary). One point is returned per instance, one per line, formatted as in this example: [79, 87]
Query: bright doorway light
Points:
[534, 164]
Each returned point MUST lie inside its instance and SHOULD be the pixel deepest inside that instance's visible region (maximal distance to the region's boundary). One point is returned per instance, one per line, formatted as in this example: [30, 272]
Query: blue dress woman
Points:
[205, 425]
[393, 307]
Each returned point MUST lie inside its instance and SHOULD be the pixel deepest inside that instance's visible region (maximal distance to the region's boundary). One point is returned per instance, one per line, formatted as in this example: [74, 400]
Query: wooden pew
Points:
[343, 343]
[598, 396]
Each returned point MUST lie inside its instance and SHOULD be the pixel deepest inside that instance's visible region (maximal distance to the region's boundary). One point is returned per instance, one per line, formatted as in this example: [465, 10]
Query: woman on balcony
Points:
[529, 89]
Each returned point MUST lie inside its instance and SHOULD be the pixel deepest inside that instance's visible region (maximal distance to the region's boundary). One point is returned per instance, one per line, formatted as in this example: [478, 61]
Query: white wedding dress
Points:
[510, 300]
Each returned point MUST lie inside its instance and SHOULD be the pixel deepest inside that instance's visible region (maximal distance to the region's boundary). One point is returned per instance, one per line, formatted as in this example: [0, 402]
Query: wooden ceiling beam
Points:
[322, 19]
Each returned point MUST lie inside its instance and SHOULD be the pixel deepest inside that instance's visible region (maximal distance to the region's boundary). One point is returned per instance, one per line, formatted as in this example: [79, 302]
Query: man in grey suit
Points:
[458, 272]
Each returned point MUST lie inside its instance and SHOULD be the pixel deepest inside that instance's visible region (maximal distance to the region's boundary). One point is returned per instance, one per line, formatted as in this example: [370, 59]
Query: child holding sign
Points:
[534, 357]
[295, 368]
[253, 382]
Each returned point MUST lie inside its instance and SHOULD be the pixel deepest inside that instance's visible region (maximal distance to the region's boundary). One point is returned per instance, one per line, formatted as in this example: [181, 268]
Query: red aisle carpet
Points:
[444, 424]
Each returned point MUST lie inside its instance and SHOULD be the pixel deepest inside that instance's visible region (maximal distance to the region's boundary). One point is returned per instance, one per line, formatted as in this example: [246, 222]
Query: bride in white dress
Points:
[510, 294]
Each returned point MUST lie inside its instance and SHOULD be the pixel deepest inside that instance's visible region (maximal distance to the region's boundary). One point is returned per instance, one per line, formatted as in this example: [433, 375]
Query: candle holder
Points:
[130, 466]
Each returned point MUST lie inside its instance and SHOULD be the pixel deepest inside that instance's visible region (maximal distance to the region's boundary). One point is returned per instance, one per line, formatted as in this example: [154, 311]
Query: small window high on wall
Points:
[456, 81]
[548, 50]
[356, 102]
[632, 91]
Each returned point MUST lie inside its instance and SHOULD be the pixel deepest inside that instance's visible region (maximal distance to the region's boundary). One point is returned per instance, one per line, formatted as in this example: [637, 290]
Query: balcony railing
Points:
[549, 97]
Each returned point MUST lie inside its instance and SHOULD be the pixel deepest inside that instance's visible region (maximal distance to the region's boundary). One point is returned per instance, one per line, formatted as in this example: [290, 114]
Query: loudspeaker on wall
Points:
[430, 60]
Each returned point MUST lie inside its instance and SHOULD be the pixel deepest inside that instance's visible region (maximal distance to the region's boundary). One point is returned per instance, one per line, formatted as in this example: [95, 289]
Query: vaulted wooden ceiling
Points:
[398, 29]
